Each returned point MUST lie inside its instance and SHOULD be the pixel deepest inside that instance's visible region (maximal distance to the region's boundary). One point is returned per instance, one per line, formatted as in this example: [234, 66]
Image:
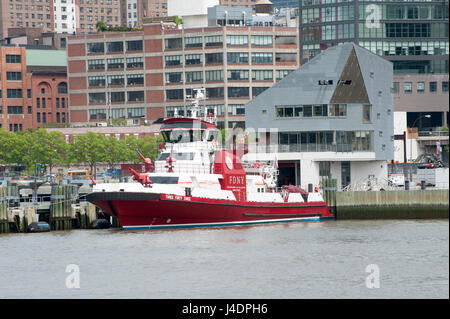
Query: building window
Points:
[237, 40]
[30, 109]
[136, 112]
[214, 93]
[237, 58]
[62, 88]
[118, 113]
[280, 74]
[97, 98]
[174, 77]
[262, 40]
[96, 48]
[14, 76]
[117, 97]
[214, 41]
[395, 87]
[136, 45]
[172, 60]
[114, 47]
[114, 64]
[195, 76]
[420, 87]
[96, 64]
[236, 109]
[173, 44]
[116, 80]
[238, 92]
[433, 87]
[97, 114]
[262, 58]
[135, 96]
[135, 63]
[193, 59]
[44, 102]
[57, 102]
[38, 117]
[367, 113]
[214, 76]
[262, 75]
[15, 110]
[174, 94]
[407, 87]
[13, 58]
[444, 86]
[14, 93]
[193, 42]
[135, 79]
[93, 81]
[214, 58]
[238, 75]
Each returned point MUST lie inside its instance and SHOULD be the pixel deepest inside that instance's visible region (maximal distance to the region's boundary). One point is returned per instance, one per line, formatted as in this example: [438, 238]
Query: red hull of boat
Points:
[143, 211]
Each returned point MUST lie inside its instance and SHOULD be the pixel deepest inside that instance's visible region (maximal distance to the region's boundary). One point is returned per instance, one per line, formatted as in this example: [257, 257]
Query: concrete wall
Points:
[392, 204]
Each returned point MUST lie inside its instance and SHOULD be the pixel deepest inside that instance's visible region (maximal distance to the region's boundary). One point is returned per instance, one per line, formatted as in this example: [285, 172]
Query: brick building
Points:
[33, 88]
[151, 73]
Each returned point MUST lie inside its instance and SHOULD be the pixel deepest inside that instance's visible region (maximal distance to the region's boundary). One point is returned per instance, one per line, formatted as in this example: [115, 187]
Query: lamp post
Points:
[410, 143]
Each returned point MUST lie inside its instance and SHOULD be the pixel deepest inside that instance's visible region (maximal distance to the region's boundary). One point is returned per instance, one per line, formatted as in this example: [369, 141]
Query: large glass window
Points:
[135, 79]
[174, 94]
[135, 45]
[238, 75]
[136, 112]
[98, 64]
[214, 58]
[14, 76]
[116, 80]
[215, 75]
[238, 92]
[193, 42]
[174, 77]
[97, 114]
[117, 97]
[172, 60]
[96, 48]
[237, 57]
[135, 63]
[95, 81]
[214, 93]
[262, 75]
[173, 44]
[97, 98]
[135, 96]
[115, 64]
[195, 76]
[13, 58]
[237, 40]
[193, 59]
[262, 58]
[214, 41]
[114, 47]
[14, 93]
[262, 40]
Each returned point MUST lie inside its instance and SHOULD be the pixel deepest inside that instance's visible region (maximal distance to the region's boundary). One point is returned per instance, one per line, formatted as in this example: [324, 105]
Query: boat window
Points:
[183, 136]
[177, 156]
[213, 135]
[164, 179]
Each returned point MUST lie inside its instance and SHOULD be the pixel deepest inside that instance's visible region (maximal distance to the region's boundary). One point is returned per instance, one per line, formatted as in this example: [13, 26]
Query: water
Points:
[294, 260]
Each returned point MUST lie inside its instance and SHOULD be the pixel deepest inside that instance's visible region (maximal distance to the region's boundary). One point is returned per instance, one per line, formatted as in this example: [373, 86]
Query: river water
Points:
[336, 259]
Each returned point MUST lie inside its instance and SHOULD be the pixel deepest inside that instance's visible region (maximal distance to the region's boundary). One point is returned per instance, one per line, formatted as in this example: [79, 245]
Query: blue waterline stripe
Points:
[225, 224]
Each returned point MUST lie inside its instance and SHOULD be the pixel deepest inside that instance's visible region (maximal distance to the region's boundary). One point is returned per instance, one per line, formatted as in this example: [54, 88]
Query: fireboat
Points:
[194, 182]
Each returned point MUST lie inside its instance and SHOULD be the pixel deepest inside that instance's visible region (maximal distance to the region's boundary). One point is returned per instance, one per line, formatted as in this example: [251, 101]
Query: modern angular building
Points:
[151, 74]
[413, 35]
[333, 117]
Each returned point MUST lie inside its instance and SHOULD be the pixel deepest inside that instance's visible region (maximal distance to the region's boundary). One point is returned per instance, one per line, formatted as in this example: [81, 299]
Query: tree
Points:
[115, 151]
[101, 26]
[88, 148]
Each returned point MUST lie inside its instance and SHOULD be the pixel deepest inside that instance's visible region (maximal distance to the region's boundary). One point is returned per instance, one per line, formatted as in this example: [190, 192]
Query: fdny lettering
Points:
[236, 180]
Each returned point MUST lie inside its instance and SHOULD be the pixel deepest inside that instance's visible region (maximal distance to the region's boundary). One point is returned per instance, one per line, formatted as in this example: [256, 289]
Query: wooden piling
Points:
[329, 187]
[62, 199]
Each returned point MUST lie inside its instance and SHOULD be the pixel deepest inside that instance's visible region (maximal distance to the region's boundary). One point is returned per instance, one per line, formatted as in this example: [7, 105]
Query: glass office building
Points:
[412, 34]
